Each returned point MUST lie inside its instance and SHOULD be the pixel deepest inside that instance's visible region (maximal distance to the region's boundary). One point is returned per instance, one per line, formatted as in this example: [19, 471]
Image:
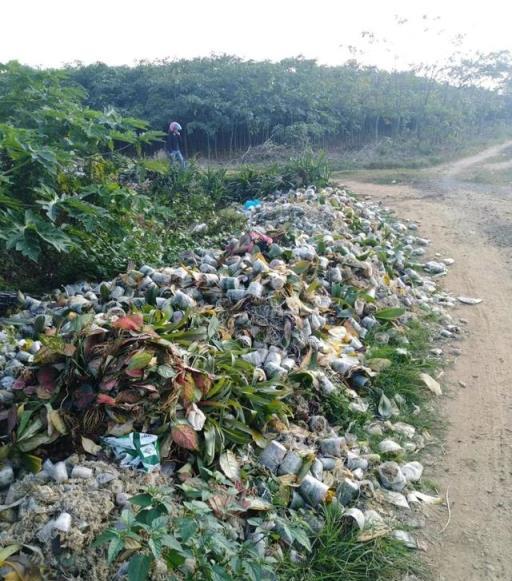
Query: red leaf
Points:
[203, 381]
[19, 384]
[83, 397]
[185, 436]
[135, 372]
[129, 322]
[46, 377]
[106, 399]
[188, 389]
[12, 419]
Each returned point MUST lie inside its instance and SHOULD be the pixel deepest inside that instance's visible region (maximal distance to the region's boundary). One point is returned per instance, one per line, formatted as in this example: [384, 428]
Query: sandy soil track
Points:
[473, 225]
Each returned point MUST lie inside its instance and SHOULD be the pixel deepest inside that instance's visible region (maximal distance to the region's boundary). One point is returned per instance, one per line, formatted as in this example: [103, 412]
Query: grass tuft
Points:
[337, 555]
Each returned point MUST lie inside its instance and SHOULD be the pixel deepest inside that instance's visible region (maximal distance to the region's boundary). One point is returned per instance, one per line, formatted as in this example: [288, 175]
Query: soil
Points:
[472, 224]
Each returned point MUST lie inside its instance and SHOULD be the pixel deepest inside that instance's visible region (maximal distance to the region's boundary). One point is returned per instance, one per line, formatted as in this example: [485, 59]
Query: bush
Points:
[73, 204]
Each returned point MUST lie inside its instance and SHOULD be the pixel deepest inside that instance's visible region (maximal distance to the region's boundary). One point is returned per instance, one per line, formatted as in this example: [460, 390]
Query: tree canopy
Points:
[227, 104]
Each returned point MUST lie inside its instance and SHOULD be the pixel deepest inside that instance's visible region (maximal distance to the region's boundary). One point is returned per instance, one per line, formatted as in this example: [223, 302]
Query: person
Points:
[173, 143]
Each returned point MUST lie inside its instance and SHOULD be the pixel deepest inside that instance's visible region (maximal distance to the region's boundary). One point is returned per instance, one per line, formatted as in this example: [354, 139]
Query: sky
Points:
[386, 33]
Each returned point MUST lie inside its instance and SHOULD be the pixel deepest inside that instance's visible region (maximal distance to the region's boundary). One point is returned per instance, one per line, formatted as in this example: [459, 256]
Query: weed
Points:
[409, 355]
[337, 554]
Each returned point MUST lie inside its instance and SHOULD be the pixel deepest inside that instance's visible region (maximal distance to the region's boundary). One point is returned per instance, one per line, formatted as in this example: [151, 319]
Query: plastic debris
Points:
[136, 450]
[469, 300]
[287, 308]
[431, 384]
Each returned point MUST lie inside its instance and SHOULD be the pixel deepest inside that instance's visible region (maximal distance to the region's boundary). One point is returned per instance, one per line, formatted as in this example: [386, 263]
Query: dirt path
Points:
[453, 168]
[473, 225]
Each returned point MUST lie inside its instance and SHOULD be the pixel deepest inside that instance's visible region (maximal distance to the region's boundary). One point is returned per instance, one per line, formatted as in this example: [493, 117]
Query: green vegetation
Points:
[337, 554]
[228, 105]
[193, 544]
[78, 198]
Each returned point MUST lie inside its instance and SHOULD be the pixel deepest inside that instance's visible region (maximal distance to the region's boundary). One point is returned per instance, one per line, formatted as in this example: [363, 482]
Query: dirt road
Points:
[473, 225]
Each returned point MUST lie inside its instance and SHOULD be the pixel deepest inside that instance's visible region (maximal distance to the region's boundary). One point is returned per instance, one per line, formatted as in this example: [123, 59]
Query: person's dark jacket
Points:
[173, 142]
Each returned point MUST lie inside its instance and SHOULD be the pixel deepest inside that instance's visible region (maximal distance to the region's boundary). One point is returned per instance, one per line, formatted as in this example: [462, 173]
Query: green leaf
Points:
[29, 430]
[48, 232]
[187, 528]
[23, 421]
[105, 537]
[174, 559]
[114, 548]
[32, 463]
[139, 567]
[301, 266]
[141, 500]
[140, 360]
[6, 552]
[209, 440]
[171, 542]
[389, 314]
[156, 547]
[213, 327]
[302, 538]
[166, 371]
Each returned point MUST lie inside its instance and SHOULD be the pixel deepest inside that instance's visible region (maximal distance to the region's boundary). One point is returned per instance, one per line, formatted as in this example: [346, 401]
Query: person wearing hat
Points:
[173, 143]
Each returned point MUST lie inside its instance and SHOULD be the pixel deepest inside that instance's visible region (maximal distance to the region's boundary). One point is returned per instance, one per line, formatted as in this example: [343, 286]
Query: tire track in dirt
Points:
[470, 225]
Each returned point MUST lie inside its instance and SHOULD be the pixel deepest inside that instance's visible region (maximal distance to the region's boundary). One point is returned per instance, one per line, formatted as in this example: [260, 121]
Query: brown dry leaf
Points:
[218, 503]
[277, 425]
[288, 480]
[375, 532]
[131, 544]
[225, 334]
[188, 388]
[132, 322]
[229, 465]
[120, 429]
[256, 503]
[89, 446]
[202, 381]
[69, 350]
[185, 436]
[306, 360]
[55, 419]
[350, 329]
[431, 384]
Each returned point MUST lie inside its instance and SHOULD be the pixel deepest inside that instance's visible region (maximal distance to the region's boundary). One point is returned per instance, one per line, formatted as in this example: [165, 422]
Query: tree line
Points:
[227, 104]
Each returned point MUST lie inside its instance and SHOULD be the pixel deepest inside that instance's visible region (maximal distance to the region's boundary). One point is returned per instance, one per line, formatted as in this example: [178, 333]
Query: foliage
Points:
[129, 375]
[58, 164]
[409, 356]
[191, 542]
[78, 198]
[337, 554]
[227, 105]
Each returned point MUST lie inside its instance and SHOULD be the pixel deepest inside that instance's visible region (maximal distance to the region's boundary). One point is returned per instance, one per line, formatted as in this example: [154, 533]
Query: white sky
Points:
[53, 32]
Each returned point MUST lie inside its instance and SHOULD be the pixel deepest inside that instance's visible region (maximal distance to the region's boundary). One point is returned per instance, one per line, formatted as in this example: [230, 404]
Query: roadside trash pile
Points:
[210, 378]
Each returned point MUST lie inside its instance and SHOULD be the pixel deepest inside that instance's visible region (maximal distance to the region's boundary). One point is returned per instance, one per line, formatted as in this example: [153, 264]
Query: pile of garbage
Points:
[228, 352]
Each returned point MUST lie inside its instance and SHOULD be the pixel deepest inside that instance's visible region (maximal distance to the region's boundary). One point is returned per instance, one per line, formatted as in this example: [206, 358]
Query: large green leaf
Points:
[389, 314]
[139, 567]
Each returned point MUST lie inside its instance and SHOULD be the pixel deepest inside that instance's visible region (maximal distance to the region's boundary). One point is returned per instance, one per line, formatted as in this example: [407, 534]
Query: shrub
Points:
[74, 204]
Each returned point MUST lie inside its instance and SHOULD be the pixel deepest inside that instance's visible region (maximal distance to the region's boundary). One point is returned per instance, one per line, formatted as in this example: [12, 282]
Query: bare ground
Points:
[472, 224]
